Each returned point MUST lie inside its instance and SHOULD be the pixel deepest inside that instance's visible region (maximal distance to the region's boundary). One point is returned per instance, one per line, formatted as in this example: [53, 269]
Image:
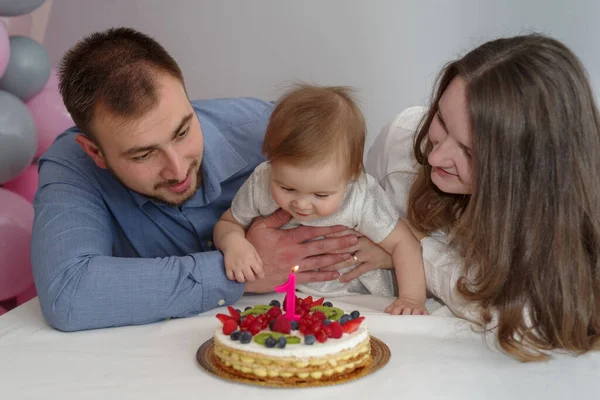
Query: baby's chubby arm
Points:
[242, 261]
[405, 249]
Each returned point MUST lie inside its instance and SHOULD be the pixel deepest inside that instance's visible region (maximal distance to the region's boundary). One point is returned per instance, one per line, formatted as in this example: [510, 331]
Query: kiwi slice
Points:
[256, 310]
[260, 338]
[332, 313]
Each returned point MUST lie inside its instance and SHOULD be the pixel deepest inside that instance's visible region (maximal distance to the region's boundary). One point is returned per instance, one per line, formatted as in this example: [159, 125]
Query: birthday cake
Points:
[263, 343]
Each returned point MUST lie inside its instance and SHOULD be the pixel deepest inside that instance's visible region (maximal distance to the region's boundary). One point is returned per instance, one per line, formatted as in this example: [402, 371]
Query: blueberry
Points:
[270, 342]
[281, 342]
[245, 337]
[275, 303]
[247, 308]
[235, 335]
[345, 318]
[309, 339]
[294, 325]
[327, 304]
[326, 322]
[354, 314]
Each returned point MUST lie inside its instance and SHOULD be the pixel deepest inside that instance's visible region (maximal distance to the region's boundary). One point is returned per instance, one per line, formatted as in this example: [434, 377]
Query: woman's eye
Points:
[287, 189]
[321, 196]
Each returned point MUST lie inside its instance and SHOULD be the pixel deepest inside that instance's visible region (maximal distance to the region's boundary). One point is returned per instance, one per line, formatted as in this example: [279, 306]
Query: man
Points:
[128, 199]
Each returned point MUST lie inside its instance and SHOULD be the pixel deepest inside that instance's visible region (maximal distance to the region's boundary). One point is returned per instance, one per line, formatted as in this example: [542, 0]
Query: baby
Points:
[314, 145]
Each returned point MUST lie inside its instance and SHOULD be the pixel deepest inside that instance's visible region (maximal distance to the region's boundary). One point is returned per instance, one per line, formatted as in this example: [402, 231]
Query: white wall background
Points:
[390, 50]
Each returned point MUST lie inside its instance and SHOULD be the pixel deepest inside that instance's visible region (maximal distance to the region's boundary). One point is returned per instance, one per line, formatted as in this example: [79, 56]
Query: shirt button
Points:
[209, 243]
[221, 302]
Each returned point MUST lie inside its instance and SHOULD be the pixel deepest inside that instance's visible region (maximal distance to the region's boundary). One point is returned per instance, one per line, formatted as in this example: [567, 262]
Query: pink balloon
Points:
[50, 116]
[52, 83]
[25, 184]
[16, 221]
[27, 295]
[4, 48]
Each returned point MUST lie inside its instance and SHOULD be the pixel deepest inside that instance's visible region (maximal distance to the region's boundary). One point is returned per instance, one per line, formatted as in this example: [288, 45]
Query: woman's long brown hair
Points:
[530, 232]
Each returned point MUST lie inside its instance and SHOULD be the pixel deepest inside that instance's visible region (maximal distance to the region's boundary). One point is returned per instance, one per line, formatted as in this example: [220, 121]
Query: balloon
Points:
[25, 184]
[27, 295]
[10, 8]
[50, 116]
[18, 138]
[4, 48]
[16, 221]
[52, 81]
[28, 68]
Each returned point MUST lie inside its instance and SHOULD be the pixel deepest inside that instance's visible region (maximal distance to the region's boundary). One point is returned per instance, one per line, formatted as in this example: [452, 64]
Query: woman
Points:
[503, 181]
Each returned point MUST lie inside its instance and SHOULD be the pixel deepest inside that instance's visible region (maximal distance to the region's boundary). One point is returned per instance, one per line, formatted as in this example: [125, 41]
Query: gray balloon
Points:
[10, 8]
[18, 137]
[28, 68]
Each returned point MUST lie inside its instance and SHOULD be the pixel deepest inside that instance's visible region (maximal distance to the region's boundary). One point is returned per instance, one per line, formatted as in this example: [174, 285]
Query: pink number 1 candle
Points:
[290, 289]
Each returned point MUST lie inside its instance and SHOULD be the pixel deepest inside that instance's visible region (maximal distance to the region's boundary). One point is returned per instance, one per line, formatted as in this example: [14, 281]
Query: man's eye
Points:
[143, 157]
[183, 133]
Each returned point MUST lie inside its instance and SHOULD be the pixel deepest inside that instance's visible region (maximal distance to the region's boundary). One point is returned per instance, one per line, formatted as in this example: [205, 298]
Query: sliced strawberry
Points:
[234, 313]
[229, 327]
[282, 325]
[318, 302]
[307, 300]
[336, 330]
[224, 318]
[352, 325]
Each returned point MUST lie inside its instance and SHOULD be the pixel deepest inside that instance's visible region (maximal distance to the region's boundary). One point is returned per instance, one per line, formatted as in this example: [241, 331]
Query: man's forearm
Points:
[100, 291]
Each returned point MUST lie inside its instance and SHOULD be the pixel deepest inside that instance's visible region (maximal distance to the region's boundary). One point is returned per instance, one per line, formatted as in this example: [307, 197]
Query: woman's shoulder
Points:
[392, 149]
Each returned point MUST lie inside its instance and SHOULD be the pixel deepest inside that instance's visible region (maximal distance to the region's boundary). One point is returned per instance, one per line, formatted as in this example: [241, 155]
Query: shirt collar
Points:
[220, 161]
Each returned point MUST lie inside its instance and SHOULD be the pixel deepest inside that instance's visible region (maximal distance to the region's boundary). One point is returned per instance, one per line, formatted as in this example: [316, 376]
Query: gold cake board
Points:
[207, 359]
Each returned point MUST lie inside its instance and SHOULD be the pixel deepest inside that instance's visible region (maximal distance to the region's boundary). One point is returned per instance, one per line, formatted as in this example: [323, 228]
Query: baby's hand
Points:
[242, 262]
[406, 306]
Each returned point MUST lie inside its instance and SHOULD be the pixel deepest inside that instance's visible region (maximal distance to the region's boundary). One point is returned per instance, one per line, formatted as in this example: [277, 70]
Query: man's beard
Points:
[195, 166]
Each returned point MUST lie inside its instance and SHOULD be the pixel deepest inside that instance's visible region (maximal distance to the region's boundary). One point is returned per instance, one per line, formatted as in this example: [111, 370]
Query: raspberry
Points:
[255, 328]
[319, 315]
[321, 336]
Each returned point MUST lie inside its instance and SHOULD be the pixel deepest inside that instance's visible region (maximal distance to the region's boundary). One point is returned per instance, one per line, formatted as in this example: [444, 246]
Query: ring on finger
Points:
[355, 258]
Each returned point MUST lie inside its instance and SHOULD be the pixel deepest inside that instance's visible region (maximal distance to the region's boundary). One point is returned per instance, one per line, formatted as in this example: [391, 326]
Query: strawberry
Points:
[352, 325]
[234, 313]
[229, 327]
[282, 325]
[336, 330]
[223, 318]
[318, 302]
[307, 300]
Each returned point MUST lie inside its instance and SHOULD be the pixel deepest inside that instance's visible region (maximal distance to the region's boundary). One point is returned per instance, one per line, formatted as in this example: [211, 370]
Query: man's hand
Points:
[282, 249]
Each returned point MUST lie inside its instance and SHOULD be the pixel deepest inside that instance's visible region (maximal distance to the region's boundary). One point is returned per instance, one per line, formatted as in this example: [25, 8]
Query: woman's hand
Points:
[368, 255]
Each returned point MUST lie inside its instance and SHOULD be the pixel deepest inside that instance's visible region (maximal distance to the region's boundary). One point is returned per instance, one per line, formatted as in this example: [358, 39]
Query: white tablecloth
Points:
[433, 357]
